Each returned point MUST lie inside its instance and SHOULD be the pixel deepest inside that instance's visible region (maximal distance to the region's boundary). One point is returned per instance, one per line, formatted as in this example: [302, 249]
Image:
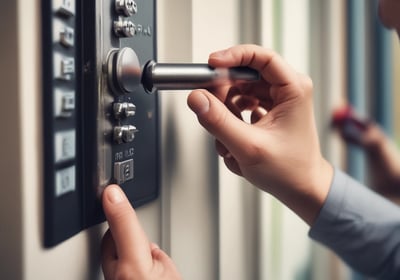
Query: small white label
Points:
[64, 103]
[68, 66]
[65, 181]
[64, 145]
[63, 33]
[64, 67]
[67, 36]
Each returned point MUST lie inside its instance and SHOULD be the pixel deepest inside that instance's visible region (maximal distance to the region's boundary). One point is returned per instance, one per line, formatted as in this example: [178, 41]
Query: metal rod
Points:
[185, 76]
[125, 74]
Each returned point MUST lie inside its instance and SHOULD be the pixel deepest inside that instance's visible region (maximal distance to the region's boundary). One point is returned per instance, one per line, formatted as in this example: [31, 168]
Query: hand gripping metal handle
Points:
[125, 74]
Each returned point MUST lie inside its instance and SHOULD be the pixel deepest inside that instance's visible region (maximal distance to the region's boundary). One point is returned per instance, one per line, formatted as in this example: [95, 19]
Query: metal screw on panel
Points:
[118, 134]
[124, 110]
[129, 110]
[124, 134]
[126, 7]
[124, 28]
[128, 133]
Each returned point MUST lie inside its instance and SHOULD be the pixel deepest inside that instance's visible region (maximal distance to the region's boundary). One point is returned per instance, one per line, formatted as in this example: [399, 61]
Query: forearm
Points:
[361, 227]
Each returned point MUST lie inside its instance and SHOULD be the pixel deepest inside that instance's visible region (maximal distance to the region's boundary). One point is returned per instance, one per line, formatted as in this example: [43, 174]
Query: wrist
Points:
[320, 187]
[306, 198]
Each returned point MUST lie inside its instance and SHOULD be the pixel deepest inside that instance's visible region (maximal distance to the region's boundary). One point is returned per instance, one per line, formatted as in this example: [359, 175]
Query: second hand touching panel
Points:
[96, 134]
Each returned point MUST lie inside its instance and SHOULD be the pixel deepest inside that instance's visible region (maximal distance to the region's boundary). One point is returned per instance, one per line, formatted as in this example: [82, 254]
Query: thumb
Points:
[130, 239]
[214, 116]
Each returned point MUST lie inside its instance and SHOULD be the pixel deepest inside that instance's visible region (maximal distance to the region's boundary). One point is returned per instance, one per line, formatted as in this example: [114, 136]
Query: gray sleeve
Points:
[361, 227]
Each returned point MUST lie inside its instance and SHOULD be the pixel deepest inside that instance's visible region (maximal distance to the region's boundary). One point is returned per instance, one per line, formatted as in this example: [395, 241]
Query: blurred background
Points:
[212, 223]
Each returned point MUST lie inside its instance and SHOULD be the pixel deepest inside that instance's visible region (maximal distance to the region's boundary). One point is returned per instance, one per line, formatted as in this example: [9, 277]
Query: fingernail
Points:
[114, 195]
[202, 104]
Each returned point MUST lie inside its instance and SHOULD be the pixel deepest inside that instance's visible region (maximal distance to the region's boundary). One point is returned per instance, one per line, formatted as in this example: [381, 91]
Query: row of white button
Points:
[64, 99]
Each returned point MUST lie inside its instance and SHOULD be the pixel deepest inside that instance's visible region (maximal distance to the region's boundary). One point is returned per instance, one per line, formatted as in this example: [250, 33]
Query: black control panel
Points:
[94, 134]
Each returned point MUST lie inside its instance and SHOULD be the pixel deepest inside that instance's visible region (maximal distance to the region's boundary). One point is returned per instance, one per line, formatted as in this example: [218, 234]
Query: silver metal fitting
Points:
[124, 28]
[126, 7]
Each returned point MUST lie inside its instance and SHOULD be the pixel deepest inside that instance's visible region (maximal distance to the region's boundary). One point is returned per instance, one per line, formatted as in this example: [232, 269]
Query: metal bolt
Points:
[126, 7]
[124, 28]
[128, 133]
[124, 134]
[125, 109]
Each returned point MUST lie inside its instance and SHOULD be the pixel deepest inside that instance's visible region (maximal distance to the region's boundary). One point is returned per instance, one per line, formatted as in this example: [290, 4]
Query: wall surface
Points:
[188, 32]
[10, 164]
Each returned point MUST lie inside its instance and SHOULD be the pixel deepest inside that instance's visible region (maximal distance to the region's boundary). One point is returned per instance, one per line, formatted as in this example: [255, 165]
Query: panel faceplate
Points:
[94, 136]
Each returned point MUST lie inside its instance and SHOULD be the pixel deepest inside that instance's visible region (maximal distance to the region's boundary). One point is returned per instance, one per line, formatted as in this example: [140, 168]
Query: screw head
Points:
[126, 7]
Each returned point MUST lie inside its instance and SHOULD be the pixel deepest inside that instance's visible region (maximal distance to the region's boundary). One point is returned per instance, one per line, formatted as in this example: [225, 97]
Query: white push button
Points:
[65, 181]
[65, 146]
[64, 7]
[68, 67]
[67, 36]
[63, 34]
[64, 103]
[64, 67]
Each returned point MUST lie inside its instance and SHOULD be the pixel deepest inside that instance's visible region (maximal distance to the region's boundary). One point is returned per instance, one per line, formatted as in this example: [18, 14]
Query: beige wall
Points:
[10, 192]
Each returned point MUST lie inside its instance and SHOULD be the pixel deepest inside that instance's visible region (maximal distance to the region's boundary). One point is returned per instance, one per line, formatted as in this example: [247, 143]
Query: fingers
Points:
[108, 249]
[270, 65]
[221, 122]
[221, 149]
[108, 255]
[158, 254]
[169, 270]
[131, 243]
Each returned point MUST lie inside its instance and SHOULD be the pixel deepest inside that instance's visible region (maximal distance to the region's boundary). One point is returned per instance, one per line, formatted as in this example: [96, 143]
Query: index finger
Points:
[130, 239]
[270, 65]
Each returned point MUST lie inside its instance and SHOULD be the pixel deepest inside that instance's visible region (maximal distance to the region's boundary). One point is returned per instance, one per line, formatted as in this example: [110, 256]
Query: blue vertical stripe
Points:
[369, 67]
[383, 99]
[357, 83]
[357, 76]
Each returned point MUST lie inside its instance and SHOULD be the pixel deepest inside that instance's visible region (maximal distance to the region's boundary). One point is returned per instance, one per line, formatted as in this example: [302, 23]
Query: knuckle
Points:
[305, 84]
[215, 120]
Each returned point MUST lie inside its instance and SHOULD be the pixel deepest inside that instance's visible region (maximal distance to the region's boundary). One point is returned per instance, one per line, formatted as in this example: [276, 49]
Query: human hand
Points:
[126, 250]
[278, 150]
[355, 129]
[381, 152]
